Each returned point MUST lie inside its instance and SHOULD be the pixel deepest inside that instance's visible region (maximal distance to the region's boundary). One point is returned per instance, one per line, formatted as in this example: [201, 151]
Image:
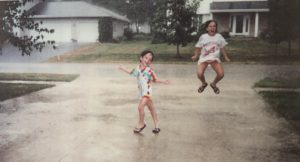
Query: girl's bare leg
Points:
[141, 107]
[219, 70]
[153, 113]
[200, 71]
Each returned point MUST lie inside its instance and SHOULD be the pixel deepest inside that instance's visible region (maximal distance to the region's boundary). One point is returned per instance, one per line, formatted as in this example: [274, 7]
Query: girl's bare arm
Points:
[225, 54]
[196, 54]
[122, 68]
[162, 81]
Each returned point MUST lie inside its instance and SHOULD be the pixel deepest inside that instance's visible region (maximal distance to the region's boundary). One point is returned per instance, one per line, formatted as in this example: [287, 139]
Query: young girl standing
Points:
[209, 47]
[145, 75]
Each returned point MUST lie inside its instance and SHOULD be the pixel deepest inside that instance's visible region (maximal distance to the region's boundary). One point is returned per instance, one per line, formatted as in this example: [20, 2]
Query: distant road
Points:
[11, 54]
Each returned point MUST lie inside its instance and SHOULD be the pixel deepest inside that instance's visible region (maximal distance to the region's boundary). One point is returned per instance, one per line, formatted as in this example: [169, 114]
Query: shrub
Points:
[266, 34]
[159, 38]
[142, 37]
[128, 33]
[225, 34]
[105, 29]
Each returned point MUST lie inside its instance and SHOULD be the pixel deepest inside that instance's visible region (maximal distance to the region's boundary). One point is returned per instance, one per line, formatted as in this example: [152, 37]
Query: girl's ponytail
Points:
[202, 29]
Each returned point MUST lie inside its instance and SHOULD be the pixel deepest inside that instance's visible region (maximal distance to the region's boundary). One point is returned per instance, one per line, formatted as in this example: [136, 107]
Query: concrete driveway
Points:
[91, 119]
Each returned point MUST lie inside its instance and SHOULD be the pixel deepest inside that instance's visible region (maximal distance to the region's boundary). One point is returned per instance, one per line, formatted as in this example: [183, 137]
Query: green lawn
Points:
[38, 77]
[285, 103]
[278, 82]
[246, 50]
[11, 90]
[128, 52]
[254, 50]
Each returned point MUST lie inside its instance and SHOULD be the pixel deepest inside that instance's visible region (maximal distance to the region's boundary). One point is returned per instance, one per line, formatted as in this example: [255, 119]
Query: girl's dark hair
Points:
[143, 53]
[205, 25]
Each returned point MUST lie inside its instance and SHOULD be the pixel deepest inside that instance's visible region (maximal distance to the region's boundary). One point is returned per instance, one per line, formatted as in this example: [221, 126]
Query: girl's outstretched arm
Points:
[162, 81]
[157, 80]
[196, 54]
[122, 68]
[225, 54]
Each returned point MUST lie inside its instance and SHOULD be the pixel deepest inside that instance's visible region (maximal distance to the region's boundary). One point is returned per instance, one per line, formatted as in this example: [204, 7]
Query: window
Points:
[239, 24]
[231, 23]
[247, 25]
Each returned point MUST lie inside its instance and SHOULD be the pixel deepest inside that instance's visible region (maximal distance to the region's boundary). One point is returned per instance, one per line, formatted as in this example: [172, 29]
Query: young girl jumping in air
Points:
[145, 75]
[209, 47]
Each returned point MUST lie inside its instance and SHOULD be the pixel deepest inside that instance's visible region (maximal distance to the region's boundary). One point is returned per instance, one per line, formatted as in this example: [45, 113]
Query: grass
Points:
[38, 77]
[246, 50]
[278, 82]
[286, 103]
[12, 90]
[126, 51]
[257, 50]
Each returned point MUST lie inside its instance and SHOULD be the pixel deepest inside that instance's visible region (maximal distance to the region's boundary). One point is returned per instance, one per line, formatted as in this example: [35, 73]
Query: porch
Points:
[248, 18]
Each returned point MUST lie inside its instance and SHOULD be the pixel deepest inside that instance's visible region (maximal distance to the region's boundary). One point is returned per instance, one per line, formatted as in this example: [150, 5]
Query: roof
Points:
[73, 9]
[242, 6]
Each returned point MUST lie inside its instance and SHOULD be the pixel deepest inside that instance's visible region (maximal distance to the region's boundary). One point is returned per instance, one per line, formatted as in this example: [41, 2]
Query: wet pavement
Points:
[91, 119]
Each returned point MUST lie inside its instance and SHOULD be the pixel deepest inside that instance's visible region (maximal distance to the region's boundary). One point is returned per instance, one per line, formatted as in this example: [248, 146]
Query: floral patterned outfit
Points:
[144, 78]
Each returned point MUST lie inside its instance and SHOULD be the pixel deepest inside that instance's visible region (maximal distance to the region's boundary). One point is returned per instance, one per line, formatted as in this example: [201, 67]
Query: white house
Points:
[238, 17]
[204, 11]
[75, 21]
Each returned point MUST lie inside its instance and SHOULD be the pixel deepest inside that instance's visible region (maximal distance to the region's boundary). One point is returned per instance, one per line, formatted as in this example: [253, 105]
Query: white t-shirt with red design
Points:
[210, 47]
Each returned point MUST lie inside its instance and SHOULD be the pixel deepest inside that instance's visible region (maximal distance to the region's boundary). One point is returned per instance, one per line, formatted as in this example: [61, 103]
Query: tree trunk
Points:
[2, 8]
[177, 54]
[0, 48]
[137, 27]
[290, 47]
[298, 44]
[276, 48]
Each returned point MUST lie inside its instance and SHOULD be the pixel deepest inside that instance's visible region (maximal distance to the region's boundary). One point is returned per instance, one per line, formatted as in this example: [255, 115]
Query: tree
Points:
[138, 11]
[158, 21]
[13, 17]
[283, 21]
[175, 19]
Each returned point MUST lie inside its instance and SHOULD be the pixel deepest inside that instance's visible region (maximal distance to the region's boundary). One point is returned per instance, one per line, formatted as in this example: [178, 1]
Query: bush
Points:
[194, 37]
[142, 37]
[225, 34]
[114, 40]
[105, 29]
[128, 34]
[273, 36]
[265, 35]
[159, 38]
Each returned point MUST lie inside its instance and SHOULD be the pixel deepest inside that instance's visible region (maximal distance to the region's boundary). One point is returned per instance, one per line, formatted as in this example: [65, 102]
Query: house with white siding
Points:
[75, 21]
[238, 17]
[204, 11]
